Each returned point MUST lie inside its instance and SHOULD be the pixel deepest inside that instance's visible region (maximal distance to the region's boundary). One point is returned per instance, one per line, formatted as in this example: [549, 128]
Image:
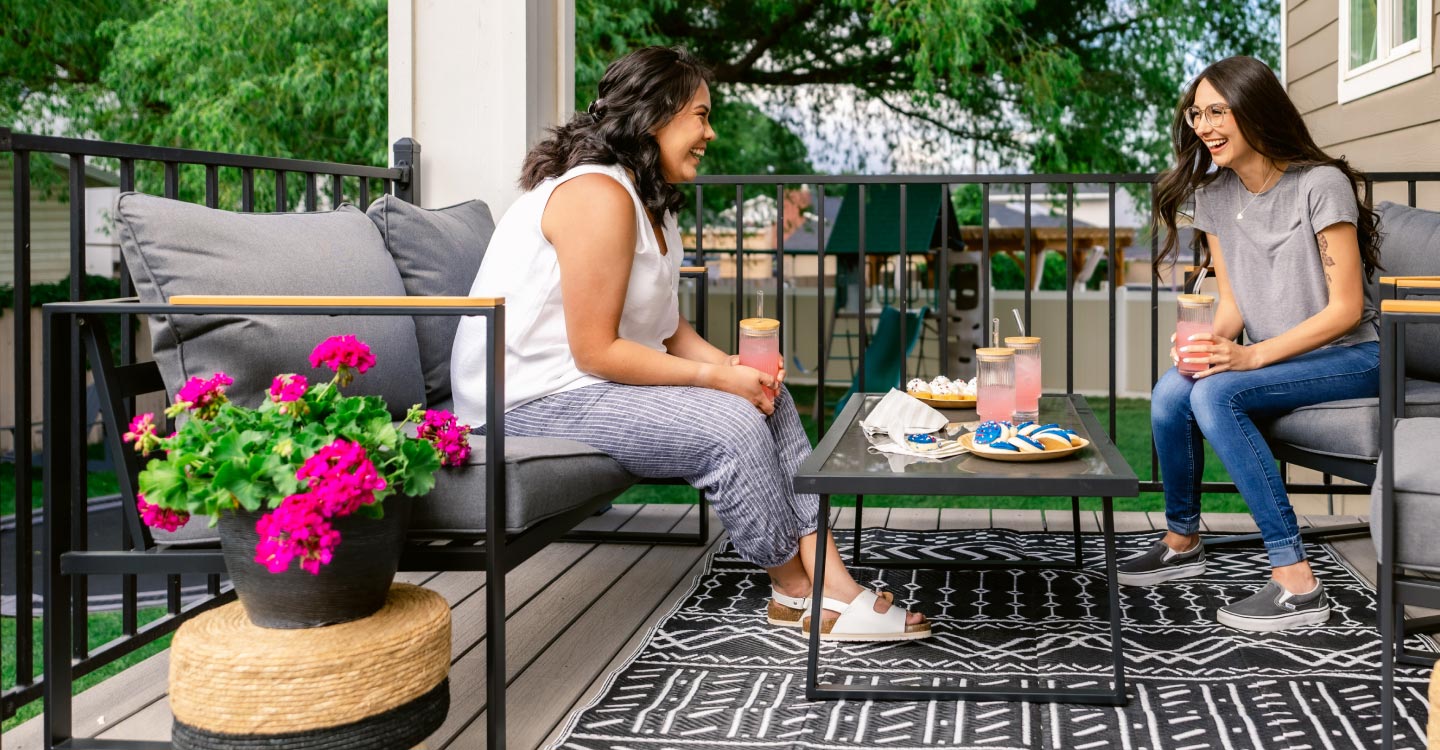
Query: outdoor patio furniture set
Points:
[396, 262]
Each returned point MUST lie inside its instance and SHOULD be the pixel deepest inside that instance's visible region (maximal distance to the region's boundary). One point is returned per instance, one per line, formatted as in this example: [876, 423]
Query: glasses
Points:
[1214, 114]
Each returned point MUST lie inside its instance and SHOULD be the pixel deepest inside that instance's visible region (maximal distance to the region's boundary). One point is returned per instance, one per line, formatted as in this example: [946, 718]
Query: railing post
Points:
[407, 160]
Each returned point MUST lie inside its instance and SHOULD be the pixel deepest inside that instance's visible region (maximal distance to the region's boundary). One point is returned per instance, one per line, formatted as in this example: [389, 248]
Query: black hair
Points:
[638, 94]
[1273, 127]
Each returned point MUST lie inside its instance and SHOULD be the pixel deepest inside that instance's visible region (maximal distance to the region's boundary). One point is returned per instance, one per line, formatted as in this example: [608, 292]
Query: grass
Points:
[1132, 426]
[104, 627]
[100, 483]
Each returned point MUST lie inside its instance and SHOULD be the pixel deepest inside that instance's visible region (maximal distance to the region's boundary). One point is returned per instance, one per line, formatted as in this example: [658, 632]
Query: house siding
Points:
[49, 236]
[1397, 129]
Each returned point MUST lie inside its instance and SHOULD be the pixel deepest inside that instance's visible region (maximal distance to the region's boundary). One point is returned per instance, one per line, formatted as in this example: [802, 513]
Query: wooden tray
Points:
[968, 440]
[964, 403]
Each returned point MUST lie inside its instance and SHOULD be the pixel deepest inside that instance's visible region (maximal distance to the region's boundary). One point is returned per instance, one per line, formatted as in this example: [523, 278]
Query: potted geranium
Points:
[289, 481]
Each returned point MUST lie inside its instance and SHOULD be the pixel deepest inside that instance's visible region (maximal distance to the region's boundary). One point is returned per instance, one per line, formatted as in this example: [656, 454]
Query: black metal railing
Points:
[228, 174]
[231, 174]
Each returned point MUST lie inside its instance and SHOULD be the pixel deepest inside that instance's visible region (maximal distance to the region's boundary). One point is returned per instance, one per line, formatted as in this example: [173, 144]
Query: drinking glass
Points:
[1196, 314]
[1027, 377]
[995, 384]
[760, 346]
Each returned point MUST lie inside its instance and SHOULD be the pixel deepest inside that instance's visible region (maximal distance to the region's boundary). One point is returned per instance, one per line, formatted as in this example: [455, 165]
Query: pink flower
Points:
[202, 396]
[157, 517]
[142, 433]
[286, 390]
[449, 437]
[298, 528]
[341, 478]
[343, 354]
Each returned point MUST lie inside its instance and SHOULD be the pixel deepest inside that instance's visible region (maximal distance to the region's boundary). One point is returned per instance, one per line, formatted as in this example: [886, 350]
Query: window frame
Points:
[1394, 64]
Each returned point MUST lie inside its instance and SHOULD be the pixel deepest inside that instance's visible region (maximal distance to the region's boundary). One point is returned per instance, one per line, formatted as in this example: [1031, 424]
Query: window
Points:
[1383, 43]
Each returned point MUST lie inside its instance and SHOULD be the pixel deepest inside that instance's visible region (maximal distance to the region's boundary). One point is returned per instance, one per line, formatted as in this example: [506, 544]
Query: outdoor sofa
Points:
[410, 260]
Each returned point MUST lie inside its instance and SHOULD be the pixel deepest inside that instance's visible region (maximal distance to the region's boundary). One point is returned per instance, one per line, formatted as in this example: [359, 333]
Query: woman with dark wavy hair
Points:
[596, 350]
[1290, 244]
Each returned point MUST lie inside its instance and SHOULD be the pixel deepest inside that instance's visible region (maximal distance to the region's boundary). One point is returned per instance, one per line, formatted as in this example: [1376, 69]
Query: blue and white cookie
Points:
[1057, 434]
[989, 432]
[922, 441]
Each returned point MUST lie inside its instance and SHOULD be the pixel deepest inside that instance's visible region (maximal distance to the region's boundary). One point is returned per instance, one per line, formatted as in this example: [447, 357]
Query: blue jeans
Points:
[1222, 408]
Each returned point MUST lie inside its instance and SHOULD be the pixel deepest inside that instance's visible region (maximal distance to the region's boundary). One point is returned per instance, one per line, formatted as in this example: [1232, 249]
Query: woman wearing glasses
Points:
[1290, 245]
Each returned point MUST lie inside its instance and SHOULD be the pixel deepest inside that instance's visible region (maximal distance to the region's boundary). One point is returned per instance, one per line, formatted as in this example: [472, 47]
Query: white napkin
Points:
[898, 411]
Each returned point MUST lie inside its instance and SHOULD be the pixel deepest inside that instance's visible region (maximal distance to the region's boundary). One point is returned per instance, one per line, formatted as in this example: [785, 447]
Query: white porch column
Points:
[476, 83]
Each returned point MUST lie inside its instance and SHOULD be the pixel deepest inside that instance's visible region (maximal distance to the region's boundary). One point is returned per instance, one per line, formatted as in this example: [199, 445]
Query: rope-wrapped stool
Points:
[379, 683]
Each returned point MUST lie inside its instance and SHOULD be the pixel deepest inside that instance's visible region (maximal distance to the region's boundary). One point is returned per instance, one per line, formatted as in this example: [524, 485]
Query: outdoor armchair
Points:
[1405, 500]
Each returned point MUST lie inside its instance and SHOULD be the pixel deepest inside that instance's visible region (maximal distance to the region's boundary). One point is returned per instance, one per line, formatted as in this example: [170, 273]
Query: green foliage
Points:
[248, 458]
[96, 287]
[1005, 274]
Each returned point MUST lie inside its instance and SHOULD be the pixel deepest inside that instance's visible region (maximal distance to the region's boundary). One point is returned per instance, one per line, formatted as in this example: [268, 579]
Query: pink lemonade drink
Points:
[995, 403]
[995, 384]
[1027, 377]
[1195, 315]
[760, 346]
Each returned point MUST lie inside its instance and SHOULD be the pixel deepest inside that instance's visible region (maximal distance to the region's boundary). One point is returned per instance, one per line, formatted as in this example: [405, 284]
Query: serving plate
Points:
[963, 403]
[984, 451]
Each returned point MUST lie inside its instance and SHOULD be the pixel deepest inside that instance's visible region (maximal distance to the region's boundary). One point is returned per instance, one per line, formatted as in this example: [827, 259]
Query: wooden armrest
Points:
[693, 270]
[1410, 306]
[1412, 282]
[1210, 270]
[320, 301]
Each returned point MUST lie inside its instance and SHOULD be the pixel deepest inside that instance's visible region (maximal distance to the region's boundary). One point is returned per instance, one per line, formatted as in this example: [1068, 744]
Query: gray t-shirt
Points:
[1271, 255]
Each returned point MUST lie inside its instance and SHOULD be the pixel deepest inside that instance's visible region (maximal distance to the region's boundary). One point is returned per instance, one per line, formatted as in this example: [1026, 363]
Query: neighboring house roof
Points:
[95, 176]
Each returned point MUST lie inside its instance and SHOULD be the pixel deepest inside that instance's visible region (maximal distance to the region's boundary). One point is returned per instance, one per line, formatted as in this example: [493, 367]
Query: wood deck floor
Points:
[575, 613]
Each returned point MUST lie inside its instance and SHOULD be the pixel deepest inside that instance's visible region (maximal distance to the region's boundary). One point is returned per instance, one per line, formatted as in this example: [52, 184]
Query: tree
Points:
[1059, 85]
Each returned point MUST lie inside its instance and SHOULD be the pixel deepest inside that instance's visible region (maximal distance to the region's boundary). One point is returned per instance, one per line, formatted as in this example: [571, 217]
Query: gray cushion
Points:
[1411, 247]
[438, 253]
[543, 477]
[1350, 428]
[1417, 495]
[174, 248]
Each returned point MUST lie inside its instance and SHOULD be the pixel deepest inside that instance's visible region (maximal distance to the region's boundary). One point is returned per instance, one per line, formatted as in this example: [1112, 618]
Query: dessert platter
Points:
[1027, 441]
[943, 393]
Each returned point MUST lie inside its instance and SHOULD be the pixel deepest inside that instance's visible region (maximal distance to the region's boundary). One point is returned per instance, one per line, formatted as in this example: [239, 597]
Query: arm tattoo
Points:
[1325, 258]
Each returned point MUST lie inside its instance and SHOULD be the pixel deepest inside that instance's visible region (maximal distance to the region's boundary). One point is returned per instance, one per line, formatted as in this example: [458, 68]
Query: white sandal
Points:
[858, 621]
[787, 611]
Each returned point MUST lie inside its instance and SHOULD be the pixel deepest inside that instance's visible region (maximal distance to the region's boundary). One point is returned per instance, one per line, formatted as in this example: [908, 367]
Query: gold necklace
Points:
[1241, 216]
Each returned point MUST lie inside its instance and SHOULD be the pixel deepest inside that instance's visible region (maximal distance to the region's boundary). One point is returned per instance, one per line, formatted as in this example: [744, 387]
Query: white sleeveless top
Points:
[520, 265]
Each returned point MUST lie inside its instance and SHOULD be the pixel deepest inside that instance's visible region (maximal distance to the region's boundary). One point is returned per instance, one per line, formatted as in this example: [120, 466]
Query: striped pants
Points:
[721, 444]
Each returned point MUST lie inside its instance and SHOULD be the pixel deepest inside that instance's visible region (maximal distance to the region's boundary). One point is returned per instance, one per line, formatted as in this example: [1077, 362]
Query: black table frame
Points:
[1121, 483]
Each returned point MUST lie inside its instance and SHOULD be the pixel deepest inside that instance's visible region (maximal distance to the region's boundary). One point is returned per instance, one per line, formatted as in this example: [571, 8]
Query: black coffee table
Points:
[842, 464]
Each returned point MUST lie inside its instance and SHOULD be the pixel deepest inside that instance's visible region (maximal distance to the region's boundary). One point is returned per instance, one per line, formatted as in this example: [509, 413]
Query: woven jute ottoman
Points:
[379, 683]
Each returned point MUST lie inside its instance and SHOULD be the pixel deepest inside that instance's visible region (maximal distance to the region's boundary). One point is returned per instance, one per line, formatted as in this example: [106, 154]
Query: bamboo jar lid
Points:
[365, 683]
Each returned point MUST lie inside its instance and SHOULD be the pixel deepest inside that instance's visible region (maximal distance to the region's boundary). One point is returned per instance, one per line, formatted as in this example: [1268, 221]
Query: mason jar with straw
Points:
[1194, 314]
[760, 342]
[995, 384]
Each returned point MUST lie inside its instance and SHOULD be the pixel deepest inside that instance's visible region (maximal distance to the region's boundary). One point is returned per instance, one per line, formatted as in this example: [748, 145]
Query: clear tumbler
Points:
[995, 384]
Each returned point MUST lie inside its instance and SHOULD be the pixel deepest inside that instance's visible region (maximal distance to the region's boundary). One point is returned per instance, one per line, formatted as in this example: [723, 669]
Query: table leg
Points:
[1116, 615]
[856, 559]
[1075, 531]
[822, 542]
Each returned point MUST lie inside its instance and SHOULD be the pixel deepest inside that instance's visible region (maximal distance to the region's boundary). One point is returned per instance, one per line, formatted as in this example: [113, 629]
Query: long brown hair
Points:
[638, 93]
[1273, 127]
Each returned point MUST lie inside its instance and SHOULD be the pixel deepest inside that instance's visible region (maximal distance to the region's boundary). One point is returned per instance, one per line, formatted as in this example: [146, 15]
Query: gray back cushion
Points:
[1411, 247]
[171, 248]
[438, 253]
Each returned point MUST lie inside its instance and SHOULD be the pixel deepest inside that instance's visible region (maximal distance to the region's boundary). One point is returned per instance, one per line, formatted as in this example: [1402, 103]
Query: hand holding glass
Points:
[760, 347]
[1195, 315]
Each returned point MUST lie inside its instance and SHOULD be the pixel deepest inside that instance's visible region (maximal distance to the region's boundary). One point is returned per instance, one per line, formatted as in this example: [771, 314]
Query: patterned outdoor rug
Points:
[714, 674]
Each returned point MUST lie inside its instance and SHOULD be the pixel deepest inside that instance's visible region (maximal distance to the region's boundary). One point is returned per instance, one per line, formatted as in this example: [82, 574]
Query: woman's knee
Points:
[736, 426]
[1170, 399]
[1212, 401]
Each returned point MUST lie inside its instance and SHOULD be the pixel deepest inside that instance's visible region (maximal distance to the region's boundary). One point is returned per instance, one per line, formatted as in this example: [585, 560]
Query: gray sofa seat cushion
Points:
[1350, 428]
[1417, 495]
[172, 248]
[438, 253]
[544, 477]
[1411, 247]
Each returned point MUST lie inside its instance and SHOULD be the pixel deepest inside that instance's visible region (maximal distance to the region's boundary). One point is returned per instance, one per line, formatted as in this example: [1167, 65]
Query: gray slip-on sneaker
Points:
[1160, 563]
[1273, 608]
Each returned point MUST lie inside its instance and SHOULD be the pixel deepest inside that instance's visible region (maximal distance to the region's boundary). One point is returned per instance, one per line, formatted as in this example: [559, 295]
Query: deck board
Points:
[576, 613]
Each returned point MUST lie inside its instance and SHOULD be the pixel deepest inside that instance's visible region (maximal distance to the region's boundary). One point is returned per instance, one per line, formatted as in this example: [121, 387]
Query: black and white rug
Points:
[714, 674]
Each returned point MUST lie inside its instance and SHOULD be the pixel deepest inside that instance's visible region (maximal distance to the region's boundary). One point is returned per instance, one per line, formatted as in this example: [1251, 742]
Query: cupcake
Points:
[918, 388]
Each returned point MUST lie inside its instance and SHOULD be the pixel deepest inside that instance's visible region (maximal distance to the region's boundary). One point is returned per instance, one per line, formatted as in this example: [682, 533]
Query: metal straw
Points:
[1200, 278]
[994, 331]
[760, 303]
[1018, 321]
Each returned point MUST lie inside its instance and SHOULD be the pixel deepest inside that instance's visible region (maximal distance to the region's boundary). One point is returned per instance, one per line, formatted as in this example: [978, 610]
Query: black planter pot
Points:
[353, 585]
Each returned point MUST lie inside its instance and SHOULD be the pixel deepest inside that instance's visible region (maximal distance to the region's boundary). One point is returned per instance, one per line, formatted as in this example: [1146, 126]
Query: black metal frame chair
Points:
[1398, 587]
